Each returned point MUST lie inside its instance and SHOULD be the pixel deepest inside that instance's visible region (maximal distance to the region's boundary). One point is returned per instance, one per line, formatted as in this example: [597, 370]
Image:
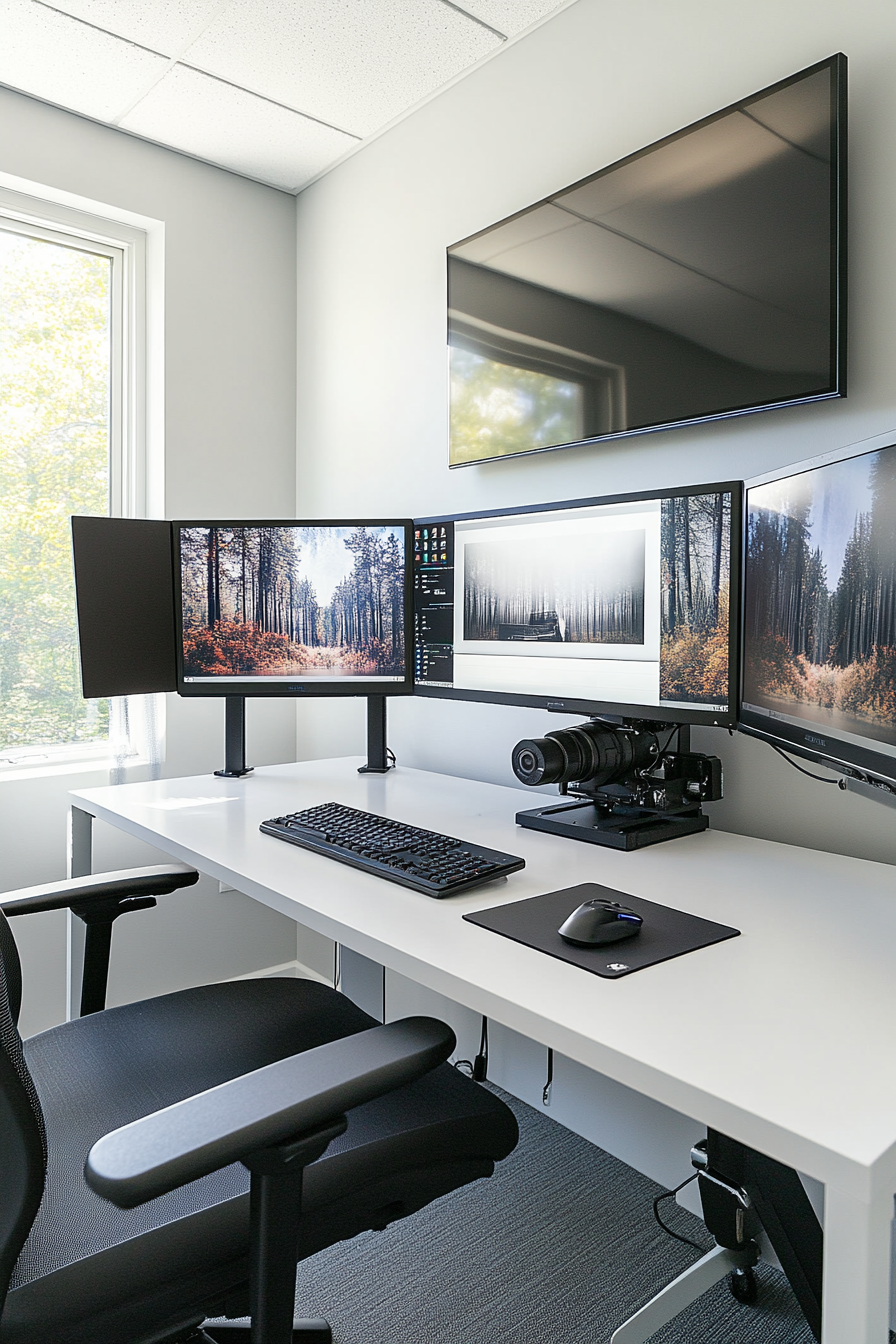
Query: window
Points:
[71, 395]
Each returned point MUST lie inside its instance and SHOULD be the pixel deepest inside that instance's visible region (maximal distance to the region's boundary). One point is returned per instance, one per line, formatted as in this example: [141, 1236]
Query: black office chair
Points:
[166, 1106]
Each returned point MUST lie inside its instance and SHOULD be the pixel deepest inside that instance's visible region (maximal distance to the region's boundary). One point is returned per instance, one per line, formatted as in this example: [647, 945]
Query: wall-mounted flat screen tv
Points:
[703, 277]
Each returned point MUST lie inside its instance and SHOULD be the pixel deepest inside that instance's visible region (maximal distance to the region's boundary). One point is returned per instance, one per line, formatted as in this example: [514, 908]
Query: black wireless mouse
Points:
[597, 922]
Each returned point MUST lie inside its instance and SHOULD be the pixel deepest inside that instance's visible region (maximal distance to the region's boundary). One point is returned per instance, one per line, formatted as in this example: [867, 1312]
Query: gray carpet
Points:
[559, 1247]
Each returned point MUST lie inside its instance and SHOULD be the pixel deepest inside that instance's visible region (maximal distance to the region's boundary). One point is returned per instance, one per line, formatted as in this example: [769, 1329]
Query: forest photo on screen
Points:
[820, 595]
[695, 549]
[579, 589]
[304, 601]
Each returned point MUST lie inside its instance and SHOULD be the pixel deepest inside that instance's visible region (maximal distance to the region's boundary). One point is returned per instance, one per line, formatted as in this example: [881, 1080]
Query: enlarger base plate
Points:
[580, 820]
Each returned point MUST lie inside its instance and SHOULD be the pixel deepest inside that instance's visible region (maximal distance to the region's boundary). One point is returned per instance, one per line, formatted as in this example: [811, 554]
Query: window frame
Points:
[135, 414]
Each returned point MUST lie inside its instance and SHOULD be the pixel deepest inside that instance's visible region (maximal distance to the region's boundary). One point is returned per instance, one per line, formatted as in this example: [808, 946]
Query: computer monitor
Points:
[293, 608]
[125, 600]
[624, 605]
[820, 612]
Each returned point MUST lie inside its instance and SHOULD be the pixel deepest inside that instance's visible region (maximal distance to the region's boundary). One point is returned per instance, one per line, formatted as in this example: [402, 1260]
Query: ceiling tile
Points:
[228, 126]
[54, 57]
[353, 63]
[509, 16]
[162, 25]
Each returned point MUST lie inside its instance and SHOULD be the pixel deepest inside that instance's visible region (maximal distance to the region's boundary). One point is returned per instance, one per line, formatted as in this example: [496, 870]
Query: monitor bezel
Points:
[837, 385]
[847, 758]
[692, 715]
[257, 688]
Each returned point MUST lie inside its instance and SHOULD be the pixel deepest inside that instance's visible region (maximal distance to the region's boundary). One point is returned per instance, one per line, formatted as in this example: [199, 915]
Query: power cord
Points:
[478, 1069]
[821, 779]
[669, 1194]
[549, 1081]
[480, 1063]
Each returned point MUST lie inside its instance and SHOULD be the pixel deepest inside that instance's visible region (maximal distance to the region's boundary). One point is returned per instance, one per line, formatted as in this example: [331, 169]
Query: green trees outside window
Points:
[498, 409]
[55, 381]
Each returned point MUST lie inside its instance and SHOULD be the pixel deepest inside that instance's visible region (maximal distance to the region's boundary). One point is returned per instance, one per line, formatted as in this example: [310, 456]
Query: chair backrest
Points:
[23, 1142]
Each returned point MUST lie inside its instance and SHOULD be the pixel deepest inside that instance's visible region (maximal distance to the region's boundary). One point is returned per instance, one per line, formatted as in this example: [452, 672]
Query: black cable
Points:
[821, 779]
[336, 968]
[549, 1081]
[480, 1063]
[668, 1194]
[391, 754]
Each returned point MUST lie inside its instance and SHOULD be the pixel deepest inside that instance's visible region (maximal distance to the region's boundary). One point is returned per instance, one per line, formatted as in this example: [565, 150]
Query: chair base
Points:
[303, 1332]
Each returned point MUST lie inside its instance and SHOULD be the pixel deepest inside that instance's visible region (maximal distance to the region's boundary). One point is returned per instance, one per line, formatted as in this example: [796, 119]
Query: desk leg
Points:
[80, 864]
[856, 1291]
[363, 981]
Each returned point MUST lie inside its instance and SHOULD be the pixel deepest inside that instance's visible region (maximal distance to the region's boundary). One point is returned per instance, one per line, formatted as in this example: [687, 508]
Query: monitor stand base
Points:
[614, 826]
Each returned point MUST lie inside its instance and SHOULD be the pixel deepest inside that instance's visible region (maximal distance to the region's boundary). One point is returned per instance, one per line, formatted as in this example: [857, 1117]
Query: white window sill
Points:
[35, 763]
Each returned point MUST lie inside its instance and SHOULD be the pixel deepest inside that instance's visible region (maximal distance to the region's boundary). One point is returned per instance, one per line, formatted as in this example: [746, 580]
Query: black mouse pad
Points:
[664, 934]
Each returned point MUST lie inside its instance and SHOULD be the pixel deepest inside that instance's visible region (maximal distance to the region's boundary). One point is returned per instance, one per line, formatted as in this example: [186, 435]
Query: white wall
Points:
[229, 450]
[594, 83]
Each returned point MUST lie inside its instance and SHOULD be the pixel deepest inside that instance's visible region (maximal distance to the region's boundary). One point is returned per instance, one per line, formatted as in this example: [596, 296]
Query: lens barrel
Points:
[538, 760]
[592, 752]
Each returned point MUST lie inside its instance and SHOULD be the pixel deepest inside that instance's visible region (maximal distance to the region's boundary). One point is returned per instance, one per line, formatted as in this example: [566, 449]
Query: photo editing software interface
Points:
[622, 604]
[820, 611]
[292, 607]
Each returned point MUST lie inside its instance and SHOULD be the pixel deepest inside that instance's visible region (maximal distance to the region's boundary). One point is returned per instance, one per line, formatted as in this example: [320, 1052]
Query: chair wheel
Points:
[743, 1285]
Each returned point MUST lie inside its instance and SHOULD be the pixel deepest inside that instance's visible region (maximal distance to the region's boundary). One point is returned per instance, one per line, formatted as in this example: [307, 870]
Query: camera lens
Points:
[594, 752]
[538, 761]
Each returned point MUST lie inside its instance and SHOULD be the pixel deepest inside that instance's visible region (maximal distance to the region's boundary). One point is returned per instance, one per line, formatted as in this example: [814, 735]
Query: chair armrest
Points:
[158, 880]
[271, 1105]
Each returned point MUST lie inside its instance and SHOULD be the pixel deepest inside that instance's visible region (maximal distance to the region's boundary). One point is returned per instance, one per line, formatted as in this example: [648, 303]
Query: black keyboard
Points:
[437, 865]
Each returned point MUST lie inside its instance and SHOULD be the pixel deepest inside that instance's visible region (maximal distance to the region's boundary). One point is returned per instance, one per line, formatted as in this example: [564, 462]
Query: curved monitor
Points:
[624, 605]
[703, 277]
[293, 608]
[819, 630]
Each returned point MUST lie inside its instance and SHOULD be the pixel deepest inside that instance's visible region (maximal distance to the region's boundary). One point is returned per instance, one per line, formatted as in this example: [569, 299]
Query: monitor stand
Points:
[235, 738]
[377, 751]
[235, 766]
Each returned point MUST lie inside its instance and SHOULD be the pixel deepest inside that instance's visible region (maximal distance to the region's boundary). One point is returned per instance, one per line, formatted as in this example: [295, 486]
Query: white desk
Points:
[782, 1038]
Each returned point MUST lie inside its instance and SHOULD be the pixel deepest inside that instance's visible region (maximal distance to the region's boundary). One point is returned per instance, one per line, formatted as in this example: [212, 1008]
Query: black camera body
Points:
[635, 791]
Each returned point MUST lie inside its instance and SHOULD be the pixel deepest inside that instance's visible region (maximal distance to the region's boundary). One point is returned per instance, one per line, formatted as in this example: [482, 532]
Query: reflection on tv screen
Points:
[694, 279]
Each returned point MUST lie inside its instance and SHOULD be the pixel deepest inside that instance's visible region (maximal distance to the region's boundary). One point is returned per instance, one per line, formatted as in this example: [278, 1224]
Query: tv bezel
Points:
[848, 759]
[256, 688]
[837, 64]
[692, 715]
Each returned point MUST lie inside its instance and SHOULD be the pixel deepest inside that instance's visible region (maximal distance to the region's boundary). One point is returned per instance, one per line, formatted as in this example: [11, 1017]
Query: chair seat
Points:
[90, 1272]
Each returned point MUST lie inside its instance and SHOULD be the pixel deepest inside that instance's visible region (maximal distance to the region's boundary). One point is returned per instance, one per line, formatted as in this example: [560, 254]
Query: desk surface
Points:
[782, 1038]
